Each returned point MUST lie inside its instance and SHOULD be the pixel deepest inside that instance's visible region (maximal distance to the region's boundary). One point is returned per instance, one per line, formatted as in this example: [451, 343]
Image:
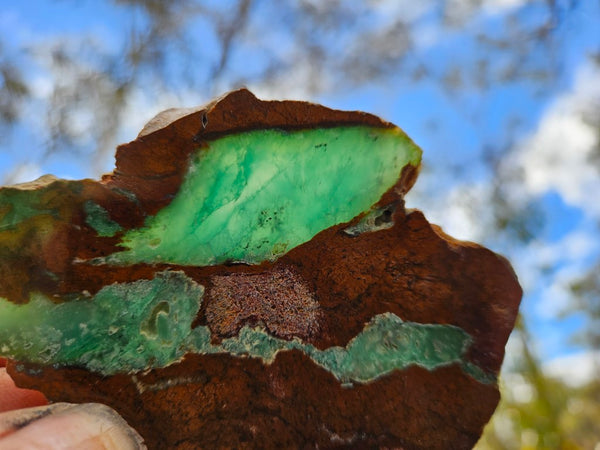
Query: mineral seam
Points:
[154, 330]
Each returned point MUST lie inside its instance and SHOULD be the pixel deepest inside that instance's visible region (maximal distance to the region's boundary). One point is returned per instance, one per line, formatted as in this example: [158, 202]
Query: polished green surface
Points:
[254, 196]
[385, 344]
[18, 205]
[132, 327]
[124, 327]
[99, 219]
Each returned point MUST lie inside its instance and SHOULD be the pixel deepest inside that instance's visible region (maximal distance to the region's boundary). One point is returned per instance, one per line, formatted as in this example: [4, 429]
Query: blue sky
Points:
[550, 140]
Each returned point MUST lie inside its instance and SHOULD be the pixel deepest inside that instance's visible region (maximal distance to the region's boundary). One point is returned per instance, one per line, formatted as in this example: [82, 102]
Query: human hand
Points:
[27, 421]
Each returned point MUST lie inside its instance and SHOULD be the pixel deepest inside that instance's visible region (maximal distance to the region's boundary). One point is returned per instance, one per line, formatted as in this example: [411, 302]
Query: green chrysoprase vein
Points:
[147, 324]
[99, 219]
[124, 327]
[254, 196]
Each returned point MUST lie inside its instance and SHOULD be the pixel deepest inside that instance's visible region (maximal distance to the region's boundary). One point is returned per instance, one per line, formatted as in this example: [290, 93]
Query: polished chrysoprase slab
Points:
[250, 265]
[253, 196]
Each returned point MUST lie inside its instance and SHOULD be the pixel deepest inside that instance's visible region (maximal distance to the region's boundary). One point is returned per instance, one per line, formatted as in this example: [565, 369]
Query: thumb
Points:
[67, 426]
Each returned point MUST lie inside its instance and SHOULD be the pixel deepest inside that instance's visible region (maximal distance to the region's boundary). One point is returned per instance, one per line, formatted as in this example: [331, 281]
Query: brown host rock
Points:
[248, 277]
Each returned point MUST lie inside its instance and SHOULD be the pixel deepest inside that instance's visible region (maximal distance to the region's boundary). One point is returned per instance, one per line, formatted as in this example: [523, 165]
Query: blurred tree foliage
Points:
[322, 46]
[586, 292]
[541, 412]
[317, 47]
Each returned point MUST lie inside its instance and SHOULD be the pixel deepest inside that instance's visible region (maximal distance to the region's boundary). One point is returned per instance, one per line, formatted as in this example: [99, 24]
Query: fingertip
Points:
[67, 426]
[13, 397]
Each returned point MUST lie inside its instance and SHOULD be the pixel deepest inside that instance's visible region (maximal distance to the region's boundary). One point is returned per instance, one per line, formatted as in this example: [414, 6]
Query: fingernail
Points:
[67, 426]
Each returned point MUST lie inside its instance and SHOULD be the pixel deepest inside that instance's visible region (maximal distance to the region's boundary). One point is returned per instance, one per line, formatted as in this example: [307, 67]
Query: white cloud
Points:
[557, 155]
[497, 7]
[41, 85]
[576, 369]
[297, 83]
[556, 297]
[460, 213]
[573, 252]
[409, 10]
[22, 173]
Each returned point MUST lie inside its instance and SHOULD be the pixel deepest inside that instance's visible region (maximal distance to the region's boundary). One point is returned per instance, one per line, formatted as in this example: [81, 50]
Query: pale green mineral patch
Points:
[99, 219]
[387, 343]
[146, 324]
[253, 196]
[124, 327]
[19, 205]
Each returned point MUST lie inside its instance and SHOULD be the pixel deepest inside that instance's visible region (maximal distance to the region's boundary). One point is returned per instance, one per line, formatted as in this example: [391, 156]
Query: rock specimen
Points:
[248, 276]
